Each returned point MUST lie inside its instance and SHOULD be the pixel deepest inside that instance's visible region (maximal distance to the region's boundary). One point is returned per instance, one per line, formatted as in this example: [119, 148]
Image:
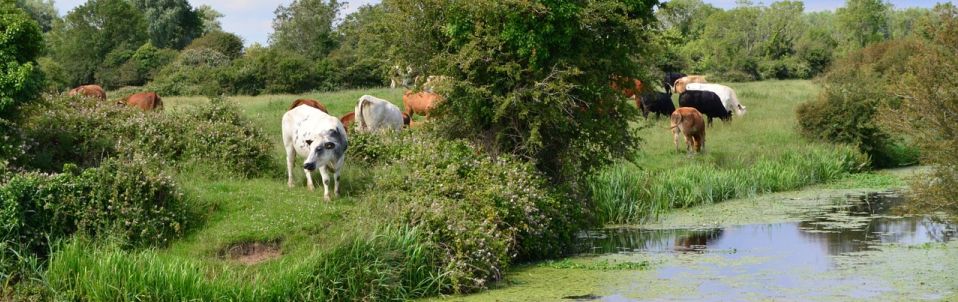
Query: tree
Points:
[41, 11]
[361, 59]
[685, 16]
[306, 27]
[535, 82]
[21, 42]
[864, 21]
[93, 30]
[210, 18]
[226, 43]
[171, 23]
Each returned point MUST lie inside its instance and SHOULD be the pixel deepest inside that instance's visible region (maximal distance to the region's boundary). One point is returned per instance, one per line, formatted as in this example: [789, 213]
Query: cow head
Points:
[324, 148]
[740, 110]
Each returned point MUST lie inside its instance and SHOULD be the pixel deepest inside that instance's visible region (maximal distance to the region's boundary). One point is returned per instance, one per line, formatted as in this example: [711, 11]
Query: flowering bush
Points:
[481, 212]
[87, 131]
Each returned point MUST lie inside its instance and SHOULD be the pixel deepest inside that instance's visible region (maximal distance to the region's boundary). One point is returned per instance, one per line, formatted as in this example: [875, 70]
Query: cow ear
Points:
[309, 142]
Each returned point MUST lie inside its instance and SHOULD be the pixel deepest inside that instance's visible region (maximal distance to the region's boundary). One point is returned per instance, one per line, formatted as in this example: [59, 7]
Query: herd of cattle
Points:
[309, 131]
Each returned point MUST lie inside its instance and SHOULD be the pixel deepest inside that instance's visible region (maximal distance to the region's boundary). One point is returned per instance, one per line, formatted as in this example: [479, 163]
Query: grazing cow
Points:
[311, 103]
[419, 103]
[679, 86]
[706, 102]
[688, 121]
[655, 102]
[670, 78]
[146, 101]
[725, 93]
[90, 91]
[377, 115]
[318, 137]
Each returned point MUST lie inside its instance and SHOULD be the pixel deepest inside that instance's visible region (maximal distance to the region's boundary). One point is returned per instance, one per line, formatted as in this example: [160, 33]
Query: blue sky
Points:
[251, 19]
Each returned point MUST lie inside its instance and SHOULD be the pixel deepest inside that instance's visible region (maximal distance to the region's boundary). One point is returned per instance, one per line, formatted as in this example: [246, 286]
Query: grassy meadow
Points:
[758, 153]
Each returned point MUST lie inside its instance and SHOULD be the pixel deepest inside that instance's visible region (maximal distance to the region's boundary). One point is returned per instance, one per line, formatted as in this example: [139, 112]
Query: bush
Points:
[481, 213]
[223, 42]
[85, 132]
[854, 89]
[133, 68]
[927, 108]
[194, 72]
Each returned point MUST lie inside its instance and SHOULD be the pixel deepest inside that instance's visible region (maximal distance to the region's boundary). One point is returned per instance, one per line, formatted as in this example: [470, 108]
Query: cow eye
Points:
[329, 145]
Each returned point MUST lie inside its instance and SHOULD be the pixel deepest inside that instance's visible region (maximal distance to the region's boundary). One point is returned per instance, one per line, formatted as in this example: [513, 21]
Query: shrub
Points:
[854, 89]
[927, 108]
[194, 72]
[85, 132]
[223, 42]
[481, 213]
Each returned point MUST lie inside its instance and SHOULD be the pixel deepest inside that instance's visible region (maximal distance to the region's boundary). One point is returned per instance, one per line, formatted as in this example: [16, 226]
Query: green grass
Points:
[759, 153]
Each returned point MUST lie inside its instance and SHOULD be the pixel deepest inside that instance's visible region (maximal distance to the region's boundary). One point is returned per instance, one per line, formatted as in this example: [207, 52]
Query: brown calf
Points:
[146, 101]
[312, 103]
[688, 121]
[90, 91]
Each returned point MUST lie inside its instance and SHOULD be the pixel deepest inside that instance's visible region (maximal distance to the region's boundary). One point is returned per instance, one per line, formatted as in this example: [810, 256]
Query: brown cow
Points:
[688, 121]
[419, 102]
[90, 91]
[146, 101]
[347, 120]
[679, 86]
[312, 103]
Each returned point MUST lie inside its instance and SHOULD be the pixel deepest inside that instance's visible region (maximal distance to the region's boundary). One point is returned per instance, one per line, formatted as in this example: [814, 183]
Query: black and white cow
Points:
[706, 102]
[318, 137]
[725, 93]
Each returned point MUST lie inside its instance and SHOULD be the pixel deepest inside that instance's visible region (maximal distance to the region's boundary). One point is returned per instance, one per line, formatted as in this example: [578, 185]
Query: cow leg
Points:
[324, 172]
[336, 183]
[290, 161]
[309, 180]
[675, 137]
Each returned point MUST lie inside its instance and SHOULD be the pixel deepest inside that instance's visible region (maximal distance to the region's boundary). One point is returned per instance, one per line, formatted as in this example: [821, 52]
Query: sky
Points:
[252, 19]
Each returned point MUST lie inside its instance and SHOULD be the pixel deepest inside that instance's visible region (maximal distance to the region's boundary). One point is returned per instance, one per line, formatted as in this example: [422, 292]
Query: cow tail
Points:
[360, 119]
[159, 103]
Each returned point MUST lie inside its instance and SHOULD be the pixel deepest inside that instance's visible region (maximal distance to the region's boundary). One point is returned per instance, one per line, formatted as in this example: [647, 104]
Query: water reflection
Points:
[858, 223]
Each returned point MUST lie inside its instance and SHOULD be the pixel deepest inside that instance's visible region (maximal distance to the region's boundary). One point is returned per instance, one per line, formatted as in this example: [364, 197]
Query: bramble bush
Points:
[128, 200]
[481, 212]
[85, 132]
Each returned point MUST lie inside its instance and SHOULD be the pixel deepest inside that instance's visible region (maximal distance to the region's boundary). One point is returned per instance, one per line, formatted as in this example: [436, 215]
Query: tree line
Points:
[177, 49]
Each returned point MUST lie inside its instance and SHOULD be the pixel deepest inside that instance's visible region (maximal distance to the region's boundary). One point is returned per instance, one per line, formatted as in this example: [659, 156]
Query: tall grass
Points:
[393, 264]
[625, 194]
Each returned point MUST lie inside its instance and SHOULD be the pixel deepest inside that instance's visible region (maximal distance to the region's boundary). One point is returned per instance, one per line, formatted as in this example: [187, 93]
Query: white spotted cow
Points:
[318, 137]
[373, 114]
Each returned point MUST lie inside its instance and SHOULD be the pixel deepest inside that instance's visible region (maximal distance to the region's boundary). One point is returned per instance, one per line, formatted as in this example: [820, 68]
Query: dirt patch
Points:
[250, 253]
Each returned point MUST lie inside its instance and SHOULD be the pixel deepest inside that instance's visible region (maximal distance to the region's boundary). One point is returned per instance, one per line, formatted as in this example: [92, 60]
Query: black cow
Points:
[655, 102]
[707, 102]
[670, 78]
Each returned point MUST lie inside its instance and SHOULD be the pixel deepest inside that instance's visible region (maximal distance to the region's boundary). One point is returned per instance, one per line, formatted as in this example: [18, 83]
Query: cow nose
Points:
[309, 166]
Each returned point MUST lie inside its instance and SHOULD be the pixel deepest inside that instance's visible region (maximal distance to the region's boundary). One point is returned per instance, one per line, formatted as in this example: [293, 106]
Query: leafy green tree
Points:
[226, 43]
[535, 82]
[210, 18]
[125, 67]
[864, 21]
[685, 16]
[42, 11]
[733, 47]
[306, 27]
[171, 23]
[90, 32]
[20, 45]
[362, 57]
